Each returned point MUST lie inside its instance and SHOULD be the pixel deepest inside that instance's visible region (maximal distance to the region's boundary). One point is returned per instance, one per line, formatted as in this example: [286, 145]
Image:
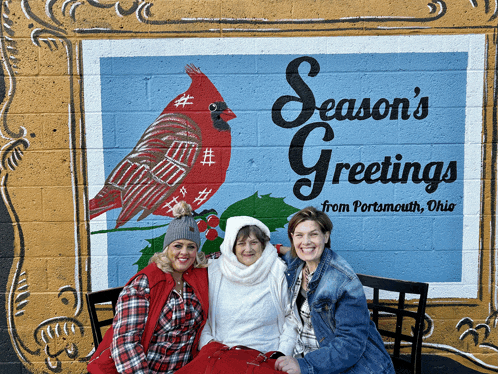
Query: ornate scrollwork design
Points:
[10, 59]
[12, 153]
[69, 8]
[437, 9]
[121, 10]
[45, 340]
[143, 13]
[478, 333]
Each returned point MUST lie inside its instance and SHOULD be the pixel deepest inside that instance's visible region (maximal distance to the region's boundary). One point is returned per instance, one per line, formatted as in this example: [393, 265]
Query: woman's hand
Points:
[288, 364]
[282, 250]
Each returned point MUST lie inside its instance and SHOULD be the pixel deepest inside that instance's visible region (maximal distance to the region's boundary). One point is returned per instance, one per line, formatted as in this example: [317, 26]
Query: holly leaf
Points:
[155, 245]
[272, 211]
[211, 246]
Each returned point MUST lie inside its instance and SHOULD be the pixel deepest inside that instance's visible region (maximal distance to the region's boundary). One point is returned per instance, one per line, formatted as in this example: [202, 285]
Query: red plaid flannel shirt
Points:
[171, 344]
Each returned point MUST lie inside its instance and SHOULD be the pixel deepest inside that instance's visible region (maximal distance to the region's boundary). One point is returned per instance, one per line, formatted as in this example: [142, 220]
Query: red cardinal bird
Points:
[183, 155]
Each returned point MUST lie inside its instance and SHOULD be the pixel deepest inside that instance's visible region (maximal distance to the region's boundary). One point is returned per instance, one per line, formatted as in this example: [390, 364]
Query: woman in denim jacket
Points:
[336, 334]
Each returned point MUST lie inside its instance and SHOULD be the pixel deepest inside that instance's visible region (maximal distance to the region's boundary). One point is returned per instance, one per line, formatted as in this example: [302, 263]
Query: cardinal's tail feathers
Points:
[108, 198]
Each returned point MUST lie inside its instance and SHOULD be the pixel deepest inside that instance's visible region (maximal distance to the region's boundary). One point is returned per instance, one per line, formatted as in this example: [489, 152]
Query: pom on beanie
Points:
[183, 226]
[182, 209]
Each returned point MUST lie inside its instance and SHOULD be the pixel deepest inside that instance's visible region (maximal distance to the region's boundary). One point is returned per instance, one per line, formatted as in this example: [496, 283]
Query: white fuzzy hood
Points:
[230, 265]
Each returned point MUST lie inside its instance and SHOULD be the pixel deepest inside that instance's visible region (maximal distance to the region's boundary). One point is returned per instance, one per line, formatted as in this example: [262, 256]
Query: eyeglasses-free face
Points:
[309, 242]
[249, 250]
[182, 254]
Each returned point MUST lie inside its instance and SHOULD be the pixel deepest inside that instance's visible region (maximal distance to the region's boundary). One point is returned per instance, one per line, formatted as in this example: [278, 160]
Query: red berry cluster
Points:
[211, 222]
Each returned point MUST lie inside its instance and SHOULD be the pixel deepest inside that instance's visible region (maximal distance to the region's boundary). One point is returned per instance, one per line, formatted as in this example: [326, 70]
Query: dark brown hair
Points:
[246, 231]
[309, 214]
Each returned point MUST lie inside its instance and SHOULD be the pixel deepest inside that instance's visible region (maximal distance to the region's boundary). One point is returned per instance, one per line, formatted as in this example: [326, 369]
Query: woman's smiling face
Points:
[248, 250]
[309, 241]
[182, 254]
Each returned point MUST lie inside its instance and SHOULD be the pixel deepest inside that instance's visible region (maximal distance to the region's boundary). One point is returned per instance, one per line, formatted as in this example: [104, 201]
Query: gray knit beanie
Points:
[183, 226]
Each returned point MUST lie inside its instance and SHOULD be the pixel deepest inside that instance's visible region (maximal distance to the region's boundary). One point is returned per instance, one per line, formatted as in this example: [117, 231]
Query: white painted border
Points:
[93, 50]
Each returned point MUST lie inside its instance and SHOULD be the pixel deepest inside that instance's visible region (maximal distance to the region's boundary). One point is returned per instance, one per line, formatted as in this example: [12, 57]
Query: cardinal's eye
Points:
[212, 107]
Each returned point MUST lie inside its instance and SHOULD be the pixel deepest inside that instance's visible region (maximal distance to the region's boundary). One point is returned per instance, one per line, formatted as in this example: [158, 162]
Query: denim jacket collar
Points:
[296, 265]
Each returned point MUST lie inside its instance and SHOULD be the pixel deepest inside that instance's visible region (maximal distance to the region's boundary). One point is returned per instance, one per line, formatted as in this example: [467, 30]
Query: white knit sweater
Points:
[249, 305]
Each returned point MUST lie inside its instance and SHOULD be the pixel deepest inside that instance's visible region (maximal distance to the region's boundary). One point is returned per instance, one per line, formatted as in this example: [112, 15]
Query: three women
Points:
[249, 297]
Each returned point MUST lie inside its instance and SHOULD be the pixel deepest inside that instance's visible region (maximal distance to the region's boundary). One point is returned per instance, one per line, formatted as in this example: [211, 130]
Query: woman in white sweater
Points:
[248, 293]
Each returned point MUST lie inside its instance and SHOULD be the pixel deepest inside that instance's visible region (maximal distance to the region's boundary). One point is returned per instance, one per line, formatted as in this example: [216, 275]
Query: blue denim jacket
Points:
[349, 341]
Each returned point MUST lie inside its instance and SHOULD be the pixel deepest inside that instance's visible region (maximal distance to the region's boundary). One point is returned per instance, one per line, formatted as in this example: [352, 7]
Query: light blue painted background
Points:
[426, 247]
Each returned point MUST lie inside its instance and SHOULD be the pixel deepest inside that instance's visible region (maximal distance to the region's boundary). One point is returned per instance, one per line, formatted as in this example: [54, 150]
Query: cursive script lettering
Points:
[432, 173]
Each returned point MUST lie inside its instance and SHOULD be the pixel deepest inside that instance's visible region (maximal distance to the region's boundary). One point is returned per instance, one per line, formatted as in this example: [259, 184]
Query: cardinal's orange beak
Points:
[227, 115]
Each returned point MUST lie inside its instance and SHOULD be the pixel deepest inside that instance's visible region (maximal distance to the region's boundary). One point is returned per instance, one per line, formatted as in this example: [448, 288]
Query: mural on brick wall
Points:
[380, 138]
[382, 114]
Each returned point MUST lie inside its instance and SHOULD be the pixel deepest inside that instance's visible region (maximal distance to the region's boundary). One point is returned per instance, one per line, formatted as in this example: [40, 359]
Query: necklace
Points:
[178, 281]
[179, 286]
[308, 275]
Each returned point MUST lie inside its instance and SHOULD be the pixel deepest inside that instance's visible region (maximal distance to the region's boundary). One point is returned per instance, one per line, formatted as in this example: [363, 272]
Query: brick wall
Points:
[382, 115]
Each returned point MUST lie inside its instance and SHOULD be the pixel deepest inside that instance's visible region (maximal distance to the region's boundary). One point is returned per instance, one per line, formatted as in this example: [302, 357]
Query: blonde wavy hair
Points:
[161, 258]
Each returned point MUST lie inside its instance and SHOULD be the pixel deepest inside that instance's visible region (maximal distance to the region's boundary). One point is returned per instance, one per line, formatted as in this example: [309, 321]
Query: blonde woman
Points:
[178, 276]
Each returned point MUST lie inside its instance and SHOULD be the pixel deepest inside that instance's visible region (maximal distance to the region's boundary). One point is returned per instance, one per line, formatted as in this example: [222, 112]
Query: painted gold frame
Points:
[43, 154]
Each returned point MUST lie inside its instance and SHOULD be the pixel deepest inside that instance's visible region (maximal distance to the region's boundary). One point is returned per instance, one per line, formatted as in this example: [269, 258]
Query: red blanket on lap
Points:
[217, 358]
